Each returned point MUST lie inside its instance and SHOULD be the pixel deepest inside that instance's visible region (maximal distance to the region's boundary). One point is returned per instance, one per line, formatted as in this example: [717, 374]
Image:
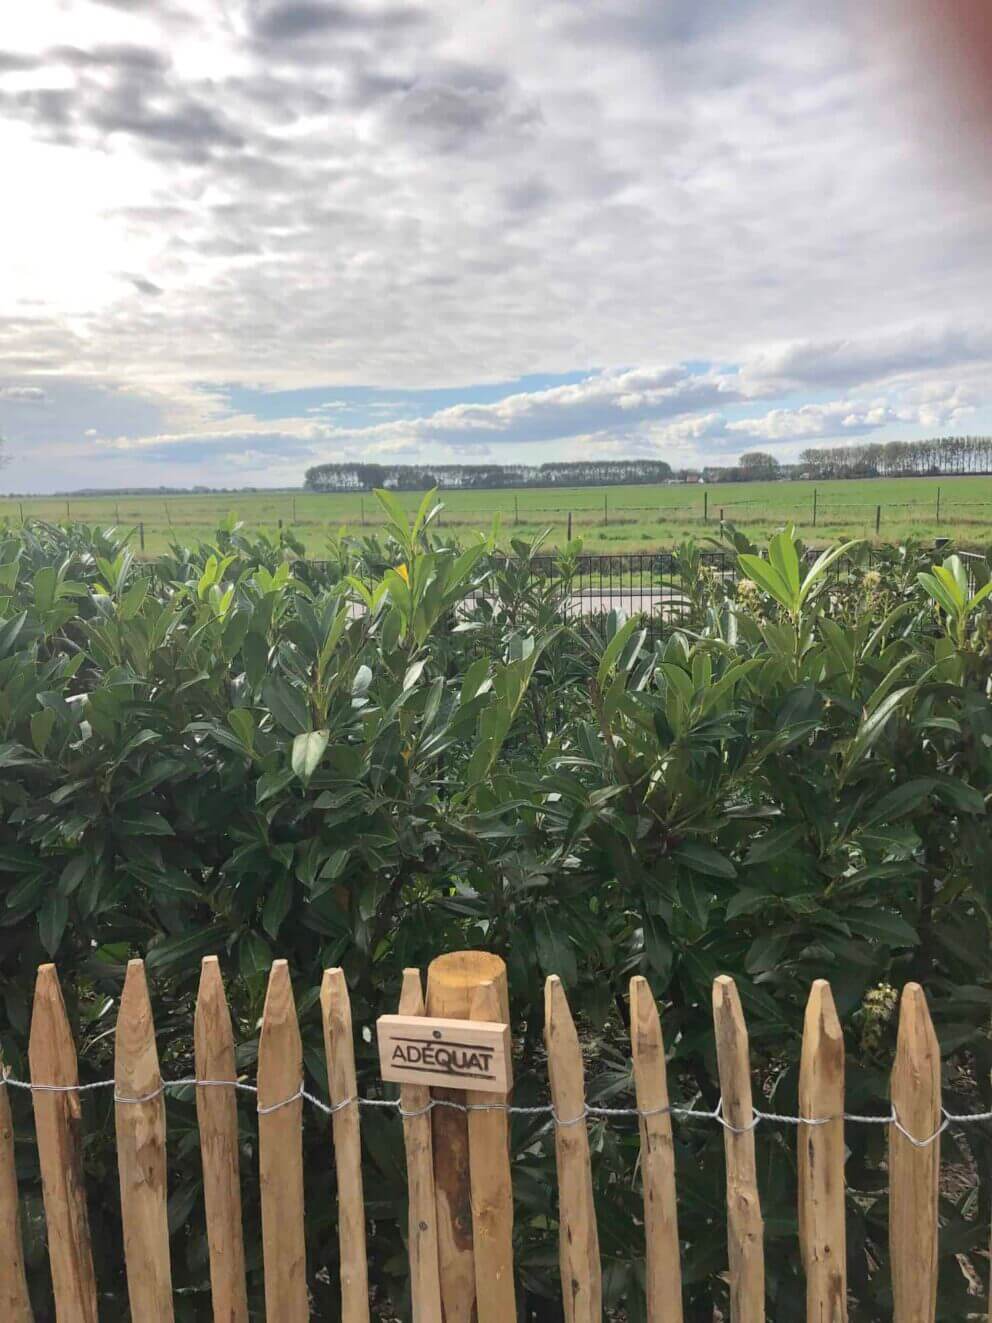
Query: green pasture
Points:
[606, 518]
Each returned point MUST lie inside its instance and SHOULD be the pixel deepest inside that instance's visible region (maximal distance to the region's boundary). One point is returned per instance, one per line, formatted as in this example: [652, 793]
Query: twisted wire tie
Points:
[544, 1109]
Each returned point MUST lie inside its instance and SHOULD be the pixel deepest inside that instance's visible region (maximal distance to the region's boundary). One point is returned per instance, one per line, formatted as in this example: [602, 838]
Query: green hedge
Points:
[225, 756]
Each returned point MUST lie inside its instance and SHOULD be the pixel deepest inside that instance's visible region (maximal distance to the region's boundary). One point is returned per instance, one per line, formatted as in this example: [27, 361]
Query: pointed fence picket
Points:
[661, 1230]
[458, 1163]
[140, 1124]
[217, 1115]
[342, 1086]
[14, 1302]
[425, 1284]
[822, 1234]
[914, 1169]
[280, 1152]
[578, 1236]
[745, 1229]
[58, 1129]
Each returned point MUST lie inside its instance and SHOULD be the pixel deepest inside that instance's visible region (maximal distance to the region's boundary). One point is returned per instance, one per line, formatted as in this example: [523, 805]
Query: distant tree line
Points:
[468, 477]
[900, 459]
[755, 466]
[933, 457]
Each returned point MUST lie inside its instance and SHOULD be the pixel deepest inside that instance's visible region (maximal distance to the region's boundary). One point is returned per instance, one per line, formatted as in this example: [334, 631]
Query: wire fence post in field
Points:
[141, 534]
[68, 516]
[938, 505]
[569, 525]
[706, 507]
[21, 509]
[878, 518]
[721, 521]
[814, 507]
[363, 511]
[606, 511]
[516, 510]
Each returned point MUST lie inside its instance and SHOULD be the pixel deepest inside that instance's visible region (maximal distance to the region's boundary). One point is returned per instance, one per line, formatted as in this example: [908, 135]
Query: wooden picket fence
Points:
[460, 1198]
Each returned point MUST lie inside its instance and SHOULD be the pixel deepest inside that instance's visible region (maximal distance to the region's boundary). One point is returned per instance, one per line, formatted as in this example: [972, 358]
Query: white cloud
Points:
[418, 194]
[885, 355]
[927, 404]
[606, 402]
[663, 411]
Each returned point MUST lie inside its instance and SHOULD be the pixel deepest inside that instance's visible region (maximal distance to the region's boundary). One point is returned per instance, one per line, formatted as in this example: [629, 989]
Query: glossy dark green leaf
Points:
[52, 919]
[287, 704]
[277, 904]
[703, 858]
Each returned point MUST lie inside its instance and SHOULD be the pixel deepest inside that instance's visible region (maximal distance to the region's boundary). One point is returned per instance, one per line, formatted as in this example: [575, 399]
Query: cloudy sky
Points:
[244, 236]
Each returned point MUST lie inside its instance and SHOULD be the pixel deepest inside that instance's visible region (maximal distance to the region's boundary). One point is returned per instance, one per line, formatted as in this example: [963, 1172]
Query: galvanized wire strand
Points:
[54, 1088]
[589, 1112]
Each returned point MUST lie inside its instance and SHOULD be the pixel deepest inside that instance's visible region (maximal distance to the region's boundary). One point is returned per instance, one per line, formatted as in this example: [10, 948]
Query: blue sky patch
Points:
[364, 406]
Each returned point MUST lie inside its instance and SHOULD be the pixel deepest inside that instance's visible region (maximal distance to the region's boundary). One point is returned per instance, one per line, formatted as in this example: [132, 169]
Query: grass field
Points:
[606, 518]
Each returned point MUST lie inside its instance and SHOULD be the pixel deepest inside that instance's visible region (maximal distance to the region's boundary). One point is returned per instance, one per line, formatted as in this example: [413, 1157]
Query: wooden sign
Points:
[452, 1054]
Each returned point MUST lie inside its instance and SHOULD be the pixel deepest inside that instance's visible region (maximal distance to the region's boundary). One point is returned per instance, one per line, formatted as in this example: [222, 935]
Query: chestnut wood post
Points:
[451, 982]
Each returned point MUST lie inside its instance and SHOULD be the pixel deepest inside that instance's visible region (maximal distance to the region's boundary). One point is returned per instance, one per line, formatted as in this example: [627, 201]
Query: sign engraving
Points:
[455, 1058]
[458, 1054]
